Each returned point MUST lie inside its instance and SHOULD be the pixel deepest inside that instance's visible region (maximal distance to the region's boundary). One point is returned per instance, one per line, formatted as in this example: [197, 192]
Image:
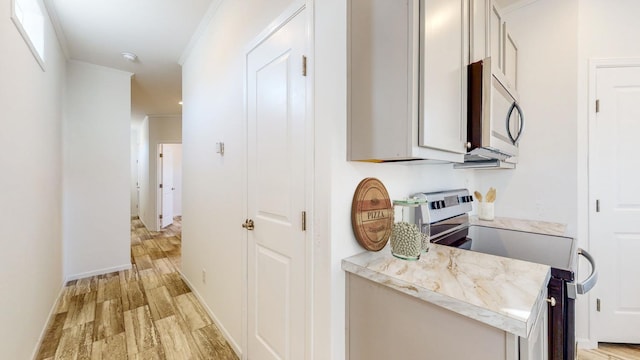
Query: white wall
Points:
[30, 187]
[135, 149]
[96, 171]
[213, 111]
[143, 173]
[155, 130]
[607, 29]
[213, 78]
[543, 185]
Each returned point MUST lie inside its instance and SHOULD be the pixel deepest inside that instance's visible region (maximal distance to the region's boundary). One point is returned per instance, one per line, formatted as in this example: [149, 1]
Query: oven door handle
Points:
[590, 282]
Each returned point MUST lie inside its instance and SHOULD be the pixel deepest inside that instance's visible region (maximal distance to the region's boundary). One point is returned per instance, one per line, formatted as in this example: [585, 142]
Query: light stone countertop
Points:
[504, 293]
[540, 227]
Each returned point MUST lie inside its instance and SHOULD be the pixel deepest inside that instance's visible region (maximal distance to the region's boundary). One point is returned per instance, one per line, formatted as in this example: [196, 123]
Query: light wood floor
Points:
[611, 352]
[147, 312]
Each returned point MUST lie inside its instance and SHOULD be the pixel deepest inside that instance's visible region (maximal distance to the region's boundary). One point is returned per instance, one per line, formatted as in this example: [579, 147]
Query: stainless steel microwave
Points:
[495, 120]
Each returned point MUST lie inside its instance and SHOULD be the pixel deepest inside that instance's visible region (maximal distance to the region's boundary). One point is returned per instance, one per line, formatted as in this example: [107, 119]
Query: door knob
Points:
[248, 224]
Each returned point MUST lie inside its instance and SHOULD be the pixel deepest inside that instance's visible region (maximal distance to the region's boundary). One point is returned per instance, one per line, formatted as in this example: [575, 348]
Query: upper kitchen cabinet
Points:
[407, 79]
[491, 38]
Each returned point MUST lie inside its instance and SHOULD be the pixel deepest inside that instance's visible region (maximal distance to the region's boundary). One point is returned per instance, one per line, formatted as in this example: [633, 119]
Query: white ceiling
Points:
[158, 31]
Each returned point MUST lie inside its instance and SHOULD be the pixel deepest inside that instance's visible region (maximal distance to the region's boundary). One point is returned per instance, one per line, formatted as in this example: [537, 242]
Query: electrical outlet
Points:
[204, 276]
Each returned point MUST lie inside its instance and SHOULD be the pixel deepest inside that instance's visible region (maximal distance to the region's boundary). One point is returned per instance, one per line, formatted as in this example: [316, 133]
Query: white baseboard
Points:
[98, 272]
[587, 344]
[50, 318]
[236, 348]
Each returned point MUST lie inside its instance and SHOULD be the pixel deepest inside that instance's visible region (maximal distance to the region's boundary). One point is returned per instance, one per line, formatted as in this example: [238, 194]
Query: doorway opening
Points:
[169, 195]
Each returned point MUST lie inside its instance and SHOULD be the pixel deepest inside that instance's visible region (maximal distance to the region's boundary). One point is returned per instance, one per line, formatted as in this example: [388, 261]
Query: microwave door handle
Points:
[515, 105]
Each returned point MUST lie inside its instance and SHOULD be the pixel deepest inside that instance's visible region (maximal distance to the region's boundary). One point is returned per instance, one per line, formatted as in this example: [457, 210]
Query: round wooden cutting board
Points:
[371, 214]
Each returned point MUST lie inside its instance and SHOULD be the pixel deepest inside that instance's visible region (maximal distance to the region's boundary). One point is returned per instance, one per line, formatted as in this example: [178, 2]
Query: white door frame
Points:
[594, 65]
[274, 26]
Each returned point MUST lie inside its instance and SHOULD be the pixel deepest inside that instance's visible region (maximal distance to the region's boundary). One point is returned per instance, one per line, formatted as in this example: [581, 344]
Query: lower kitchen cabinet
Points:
[383, 323]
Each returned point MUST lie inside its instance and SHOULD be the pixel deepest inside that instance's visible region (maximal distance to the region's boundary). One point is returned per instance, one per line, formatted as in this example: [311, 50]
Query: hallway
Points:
[147, 312]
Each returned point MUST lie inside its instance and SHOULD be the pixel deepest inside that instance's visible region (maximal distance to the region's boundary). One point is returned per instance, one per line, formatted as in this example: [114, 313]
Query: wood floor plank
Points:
[138, 250]
[150, 279]
[174, 341]
[86, 285]
[82, 310]
[132, 295]
[86, 342]
[129, 274]
[175, 287]
[111, 348]
[52, 337]
[152, 354]
[73, 342]
[160, 303]
[65, 299]
[109, 288]
[110, 316]
[212, 345]
[607, 351]
[109, 319]
[141, 333]
[163, 266]
[143, 262]
[191, 311]
[166, 244]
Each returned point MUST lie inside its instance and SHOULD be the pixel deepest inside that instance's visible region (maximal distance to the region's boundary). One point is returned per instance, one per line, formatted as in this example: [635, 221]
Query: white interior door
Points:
[276, 194]
[614, 182]
[167, 186]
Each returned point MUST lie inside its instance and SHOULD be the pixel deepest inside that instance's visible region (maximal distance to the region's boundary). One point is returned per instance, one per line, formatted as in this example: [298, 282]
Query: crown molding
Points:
[200, 30]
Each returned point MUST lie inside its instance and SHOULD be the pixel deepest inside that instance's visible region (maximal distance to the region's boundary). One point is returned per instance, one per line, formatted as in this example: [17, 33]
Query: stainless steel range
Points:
[447, 215]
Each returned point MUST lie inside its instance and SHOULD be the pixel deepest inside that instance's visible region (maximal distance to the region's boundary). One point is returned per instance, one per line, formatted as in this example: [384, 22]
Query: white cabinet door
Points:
[510, 60]
[501, 46]
[536, 347]
[495, 38]
[384, 75]
[444, 57]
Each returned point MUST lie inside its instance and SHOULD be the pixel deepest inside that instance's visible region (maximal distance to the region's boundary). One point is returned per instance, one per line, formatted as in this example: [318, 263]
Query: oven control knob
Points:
[439, 204]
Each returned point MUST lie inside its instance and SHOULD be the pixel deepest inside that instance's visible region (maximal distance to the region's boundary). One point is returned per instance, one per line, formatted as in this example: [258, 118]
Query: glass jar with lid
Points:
[409, 237]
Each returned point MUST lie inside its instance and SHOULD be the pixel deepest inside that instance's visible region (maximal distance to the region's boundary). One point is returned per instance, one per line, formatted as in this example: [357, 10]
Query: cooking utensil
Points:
[478, 196]
[491, 195]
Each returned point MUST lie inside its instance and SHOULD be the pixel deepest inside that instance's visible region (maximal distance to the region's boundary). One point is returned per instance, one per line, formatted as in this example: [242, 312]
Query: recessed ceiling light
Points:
[129, 56]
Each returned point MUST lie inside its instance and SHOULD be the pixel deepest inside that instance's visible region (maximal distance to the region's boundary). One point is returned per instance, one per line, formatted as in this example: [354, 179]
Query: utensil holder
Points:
[486, 211]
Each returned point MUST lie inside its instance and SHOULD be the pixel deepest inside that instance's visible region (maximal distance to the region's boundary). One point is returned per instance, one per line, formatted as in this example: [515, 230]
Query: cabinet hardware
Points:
[552, 301]
[597, 106]
[597, 205]
[160, 186]
[598, 305]
[160, 154]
